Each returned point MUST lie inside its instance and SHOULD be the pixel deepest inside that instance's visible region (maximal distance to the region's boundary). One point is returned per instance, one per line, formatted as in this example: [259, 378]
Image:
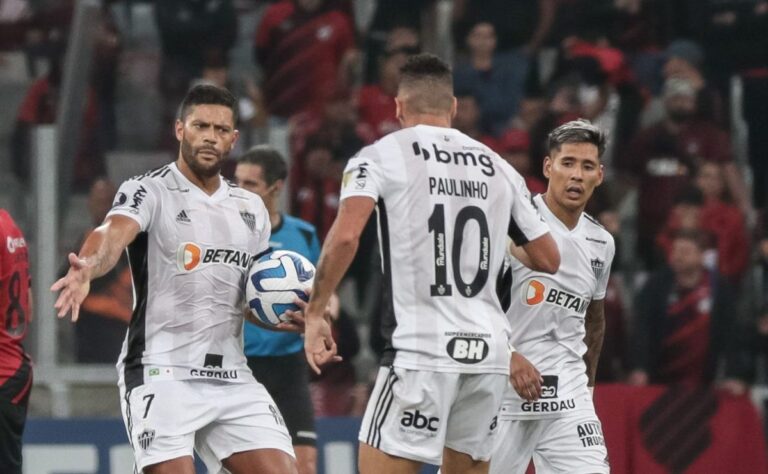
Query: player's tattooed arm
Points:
[595, 330]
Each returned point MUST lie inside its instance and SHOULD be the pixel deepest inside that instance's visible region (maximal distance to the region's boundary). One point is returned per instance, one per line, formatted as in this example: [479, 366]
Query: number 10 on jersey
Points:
[436, 223]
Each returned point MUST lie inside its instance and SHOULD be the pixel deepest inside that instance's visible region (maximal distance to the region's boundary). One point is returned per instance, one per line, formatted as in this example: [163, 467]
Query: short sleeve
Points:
[604, 271]
[135, 199]
[265, 230]
[362, 177]
[525, 223]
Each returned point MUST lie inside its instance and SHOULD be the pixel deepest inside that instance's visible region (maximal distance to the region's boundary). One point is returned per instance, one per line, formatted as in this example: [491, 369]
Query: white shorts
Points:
[168, 419]
[414, 414]
[571, 444]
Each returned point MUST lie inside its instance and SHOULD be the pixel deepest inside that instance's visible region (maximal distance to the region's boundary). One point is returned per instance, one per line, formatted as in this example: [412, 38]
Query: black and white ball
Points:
[274, 281]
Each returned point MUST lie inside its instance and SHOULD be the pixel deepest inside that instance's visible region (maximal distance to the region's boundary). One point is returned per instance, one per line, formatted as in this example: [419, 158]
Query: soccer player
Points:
[277, 358]
[558, 322]
[15, 364]
[446, 204]
[191, 237]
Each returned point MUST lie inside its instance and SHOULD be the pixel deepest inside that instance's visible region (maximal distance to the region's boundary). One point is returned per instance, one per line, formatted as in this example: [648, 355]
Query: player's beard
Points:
[189, 155]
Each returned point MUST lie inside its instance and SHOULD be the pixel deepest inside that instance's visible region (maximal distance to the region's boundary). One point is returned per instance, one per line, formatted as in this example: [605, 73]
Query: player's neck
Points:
[427, 119]
[208, 184]
[570, 218]
[275, 218]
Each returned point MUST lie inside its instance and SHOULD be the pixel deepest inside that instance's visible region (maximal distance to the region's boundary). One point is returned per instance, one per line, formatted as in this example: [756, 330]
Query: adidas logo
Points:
[183, 217]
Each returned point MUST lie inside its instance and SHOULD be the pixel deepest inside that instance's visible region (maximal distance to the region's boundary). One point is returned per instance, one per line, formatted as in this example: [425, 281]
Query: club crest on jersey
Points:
[536, 292]
[250, 220]
[191, 256]
[145, 438]
[597, 267]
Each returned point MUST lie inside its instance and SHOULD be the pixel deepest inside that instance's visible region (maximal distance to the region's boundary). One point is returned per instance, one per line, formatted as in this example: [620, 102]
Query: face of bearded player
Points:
[207, 135]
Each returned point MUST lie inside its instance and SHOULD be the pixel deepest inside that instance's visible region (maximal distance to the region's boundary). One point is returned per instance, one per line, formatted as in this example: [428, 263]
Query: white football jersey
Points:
[189, 265]
[547, 315]
[446, 204]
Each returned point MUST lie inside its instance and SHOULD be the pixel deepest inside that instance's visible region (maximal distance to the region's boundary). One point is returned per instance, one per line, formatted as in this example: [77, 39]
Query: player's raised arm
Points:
[594, 324]
[97, 256]
[337, 254]
[540, 254]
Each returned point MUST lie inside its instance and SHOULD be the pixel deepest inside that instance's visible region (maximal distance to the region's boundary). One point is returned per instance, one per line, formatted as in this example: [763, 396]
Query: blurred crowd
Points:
[687, 207]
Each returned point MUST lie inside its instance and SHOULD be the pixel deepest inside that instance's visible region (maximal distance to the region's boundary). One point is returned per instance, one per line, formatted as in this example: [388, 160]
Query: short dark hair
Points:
[206, 94]
[433, 79]
[694, 235]
[272, 164]
[576, 131]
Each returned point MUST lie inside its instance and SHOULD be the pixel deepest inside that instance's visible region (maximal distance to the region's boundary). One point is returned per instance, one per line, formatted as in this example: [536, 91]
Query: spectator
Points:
[301, 46]
[685, 325]
[376, 102]
[496, 80]
[106, 311]
[15, 363]
[189, 30]
[467, 119]
[523, 26]
[663, 159]
[317, 183]
[684, 59]
[514, 146]
[395, 24]
[39, 107]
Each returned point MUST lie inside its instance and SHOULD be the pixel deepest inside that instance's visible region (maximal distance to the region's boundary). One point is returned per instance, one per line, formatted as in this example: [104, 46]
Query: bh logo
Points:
[467, 350]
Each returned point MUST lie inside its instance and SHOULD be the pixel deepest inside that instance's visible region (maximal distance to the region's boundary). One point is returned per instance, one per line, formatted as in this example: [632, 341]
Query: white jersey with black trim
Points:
[547, 314]
[446, 204]
[189, 263]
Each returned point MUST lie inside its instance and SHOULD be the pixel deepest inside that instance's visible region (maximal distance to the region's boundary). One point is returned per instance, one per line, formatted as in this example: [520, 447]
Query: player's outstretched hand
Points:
[72, 287]
[319, 346]
[525, 378]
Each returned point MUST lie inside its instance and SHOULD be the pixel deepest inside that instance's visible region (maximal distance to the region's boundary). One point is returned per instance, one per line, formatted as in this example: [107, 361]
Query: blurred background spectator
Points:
[106, 312]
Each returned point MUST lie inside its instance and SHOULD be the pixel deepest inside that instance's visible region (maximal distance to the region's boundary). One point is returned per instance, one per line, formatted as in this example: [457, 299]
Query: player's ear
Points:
[548, 167]
[454, 108]
[278, 186]
[179, 128]
[399, 110]
[235, 136]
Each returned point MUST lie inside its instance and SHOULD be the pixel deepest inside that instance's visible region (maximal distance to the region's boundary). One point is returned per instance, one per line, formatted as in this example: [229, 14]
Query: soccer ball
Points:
[274, 281]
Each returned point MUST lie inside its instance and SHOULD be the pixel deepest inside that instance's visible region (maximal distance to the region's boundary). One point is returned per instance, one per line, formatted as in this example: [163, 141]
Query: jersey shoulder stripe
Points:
[160, 171]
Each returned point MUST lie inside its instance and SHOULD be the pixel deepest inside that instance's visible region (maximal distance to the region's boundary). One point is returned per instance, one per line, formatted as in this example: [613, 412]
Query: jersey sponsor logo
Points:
[137, 199]
[359, 174]
[597, 241]
[552, 406]
[183, 218]
[535, 292]
[191, 256]
[469, 156]
[415, 419]
[120, 199]
[590, 434]
[467, 350]
[214, 374]
[15, 243]
[597, 267]
[549, 386]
